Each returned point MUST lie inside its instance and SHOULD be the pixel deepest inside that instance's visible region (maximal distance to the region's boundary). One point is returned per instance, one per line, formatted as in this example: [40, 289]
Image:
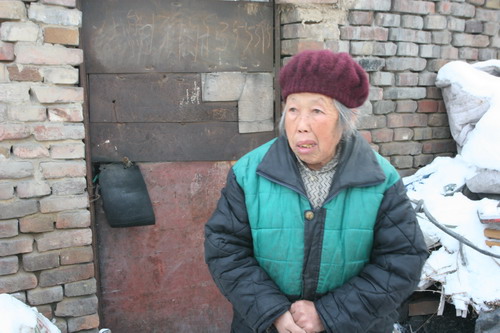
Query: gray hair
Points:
[347, 120]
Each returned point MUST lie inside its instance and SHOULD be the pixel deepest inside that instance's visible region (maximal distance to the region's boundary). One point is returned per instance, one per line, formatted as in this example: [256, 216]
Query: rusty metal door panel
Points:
[154, 278]
[130, 36]
[155, 142]
[154, 97]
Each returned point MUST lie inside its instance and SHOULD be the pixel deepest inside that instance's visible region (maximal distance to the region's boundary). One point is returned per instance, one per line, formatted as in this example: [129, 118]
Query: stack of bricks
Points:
[402, 44]
[46, 255]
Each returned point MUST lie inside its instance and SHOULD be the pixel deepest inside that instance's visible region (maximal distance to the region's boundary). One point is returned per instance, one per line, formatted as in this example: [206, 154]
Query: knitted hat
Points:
[335, 75]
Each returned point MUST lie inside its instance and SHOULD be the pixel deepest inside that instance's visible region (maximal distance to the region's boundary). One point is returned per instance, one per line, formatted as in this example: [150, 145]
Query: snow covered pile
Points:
[467, 277]
[17, 317]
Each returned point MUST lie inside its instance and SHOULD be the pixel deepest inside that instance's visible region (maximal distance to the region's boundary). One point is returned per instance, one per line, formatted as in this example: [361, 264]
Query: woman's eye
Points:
[292, 110]
[317, 111]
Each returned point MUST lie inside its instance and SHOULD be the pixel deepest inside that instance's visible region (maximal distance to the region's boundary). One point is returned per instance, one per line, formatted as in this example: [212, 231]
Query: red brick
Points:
[60, 239]
[24, 73]
[37, 223]
[30, 150]
[77, 255]
[439, 146]
[6, 51]
[35, 261]
[16, 245]
[9, 228]
[294, 46]
[9, 265]
[12, 10]
[65, 274]
[382, 135]
[16, 282]
[73, 219]
[47, 55]
[83, 323]
[49, 132]
[367, 135]
[427, 106]
[63, 169]
[67, 151]
[14, 131]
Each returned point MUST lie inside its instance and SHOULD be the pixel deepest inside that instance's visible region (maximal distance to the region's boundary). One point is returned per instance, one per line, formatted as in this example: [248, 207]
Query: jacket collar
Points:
[358, 166]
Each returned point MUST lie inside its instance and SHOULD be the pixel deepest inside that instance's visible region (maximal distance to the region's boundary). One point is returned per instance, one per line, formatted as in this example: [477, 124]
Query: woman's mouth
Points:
[305, 146]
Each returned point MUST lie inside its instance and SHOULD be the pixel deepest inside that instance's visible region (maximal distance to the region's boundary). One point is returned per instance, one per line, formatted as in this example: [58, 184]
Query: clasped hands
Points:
[301, 318]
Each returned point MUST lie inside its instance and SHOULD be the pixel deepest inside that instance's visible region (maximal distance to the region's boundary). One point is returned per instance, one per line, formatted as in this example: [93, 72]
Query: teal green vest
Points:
[276, 217]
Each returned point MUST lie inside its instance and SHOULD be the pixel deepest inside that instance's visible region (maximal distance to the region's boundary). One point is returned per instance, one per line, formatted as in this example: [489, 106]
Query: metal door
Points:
[152, 69]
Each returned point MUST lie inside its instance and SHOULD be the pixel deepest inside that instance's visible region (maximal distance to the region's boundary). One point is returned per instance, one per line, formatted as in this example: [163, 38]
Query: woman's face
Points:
[312, 128]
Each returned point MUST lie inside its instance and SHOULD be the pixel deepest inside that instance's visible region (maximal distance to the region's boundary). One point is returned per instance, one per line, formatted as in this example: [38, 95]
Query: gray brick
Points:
[474, 27]
[376, 5]
[438, 119]
[32, 188]
[403, 134]
[6, 191]
[441, 37]
[375, 94]
[68, 186]
[406, 79]
[77, 306]
[372, 48]
[422, 133]
[429, 51]
[85, 324]
[80, 288]
[468, 53]
[403, 64]
[16, 245]
[387, 20]
[435, 22]
[370, 122]
[60, 239]
[371, 64]
[427, 79]
[414, 7]
[422, 160]
[441, 132]
[73, 219]
[404, 93]
[37, 223]
[384, 49]
[15, 169]
[66, 274]
[16, 282]
[412, 22]
[407, 49]
[35, 261]
[487, 54]
[360, 17]
[41, 296]
[406, 120]
[9, 265]
[487, 15]
[382, 78]
[382, 135]
[460, 39]
[222, 86]
[17, 208]
[400, 148]
[406, 106]
[449, 52]
[402, 162]
[9, 228]
[410, 35]
[55, 15]
[434, 65]
[456, 24]
[384, 107]
[463, 10]
[491, 28]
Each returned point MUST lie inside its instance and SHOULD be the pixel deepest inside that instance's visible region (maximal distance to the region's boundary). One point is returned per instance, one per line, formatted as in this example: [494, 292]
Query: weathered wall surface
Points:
[46, 255]
[401, 44]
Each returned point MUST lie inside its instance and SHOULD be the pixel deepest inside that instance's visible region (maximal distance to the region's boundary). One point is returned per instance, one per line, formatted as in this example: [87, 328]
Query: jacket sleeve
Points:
[230, 259]
[398, 254]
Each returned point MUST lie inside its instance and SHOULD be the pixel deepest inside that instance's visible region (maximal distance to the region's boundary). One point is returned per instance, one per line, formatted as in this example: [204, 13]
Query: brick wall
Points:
[46, 255]
[402, 44]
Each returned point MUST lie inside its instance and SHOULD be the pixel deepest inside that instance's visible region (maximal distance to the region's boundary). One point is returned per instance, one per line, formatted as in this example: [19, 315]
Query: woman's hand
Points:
[285, 324]
[305, 315]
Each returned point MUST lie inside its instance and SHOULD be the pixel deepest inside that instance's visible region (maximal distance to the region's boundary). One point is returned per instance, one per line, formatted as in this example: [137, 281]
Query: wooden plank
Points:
[153, 97]
[162, 142]
[492, 233]
[130, 36]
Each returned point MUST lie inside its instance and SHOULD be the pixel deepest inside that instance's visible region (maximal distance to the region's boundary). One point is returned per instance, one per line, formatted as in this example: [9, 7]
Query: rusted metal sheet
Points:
[130, 36]
[154, 97]
[156, 142]
[154, 278]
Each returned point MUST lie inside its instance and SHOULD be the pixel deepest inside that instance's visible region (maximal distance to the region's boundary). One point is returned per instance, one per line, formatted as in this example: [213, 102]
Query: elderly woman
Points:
[313, 231]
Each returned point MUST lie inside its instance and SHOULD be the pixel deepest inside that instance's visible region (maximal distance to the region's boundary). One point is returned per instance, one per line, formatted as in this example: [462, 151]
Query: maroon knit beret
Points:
[324, 72]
